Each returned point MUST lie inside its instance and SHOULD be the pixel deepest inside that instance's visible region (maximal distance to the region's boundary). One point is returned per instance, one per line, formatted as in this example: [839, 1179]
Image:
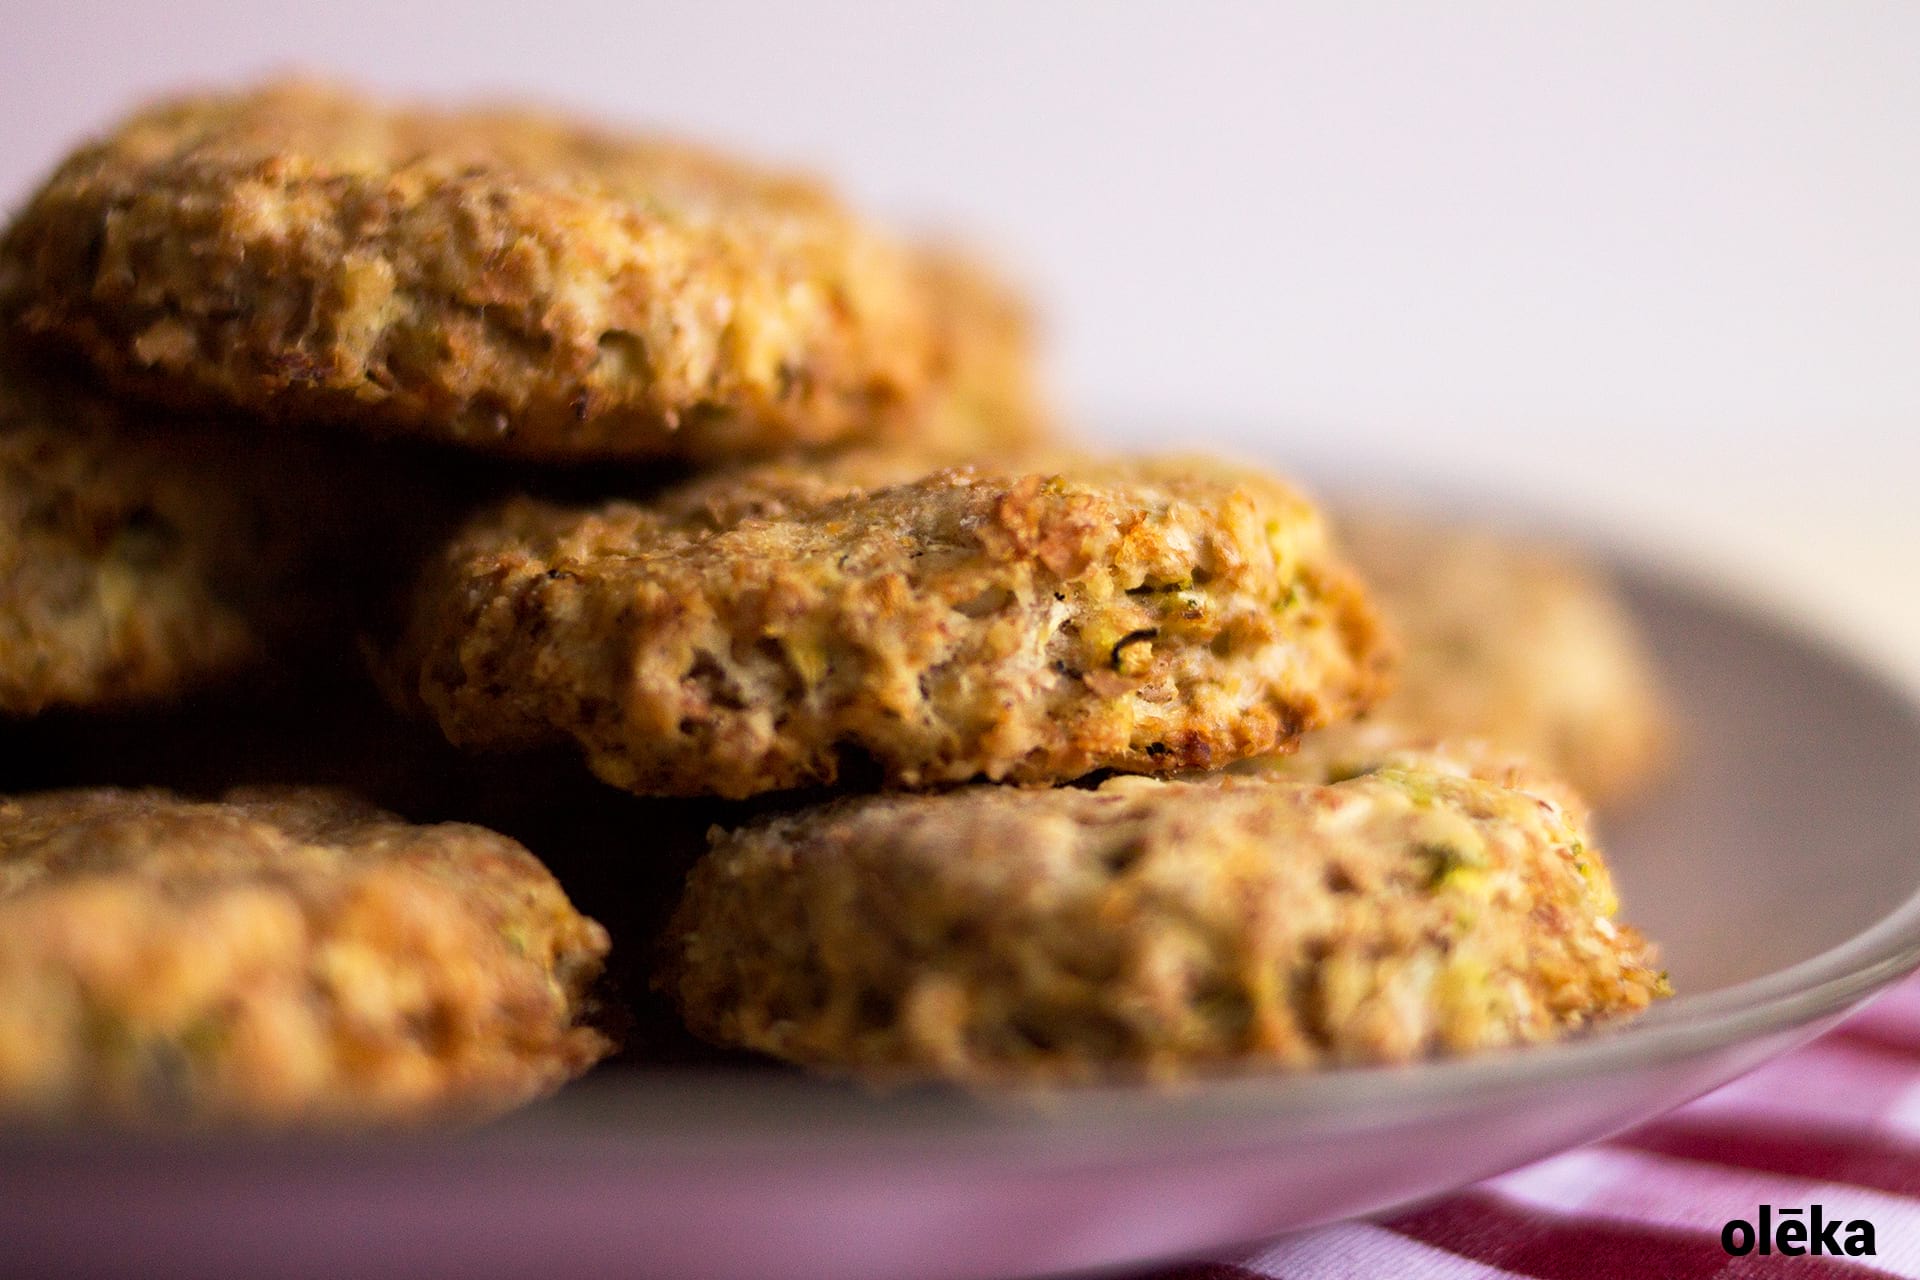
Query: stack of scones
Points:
[420, 521]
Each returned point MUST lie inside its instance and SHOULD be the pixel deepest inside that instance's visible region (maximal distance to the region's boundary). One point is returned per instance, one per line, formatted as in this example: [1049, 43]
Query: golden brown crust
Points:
[1521, 644]
[504, 279]
[1156, 926]
[748, 631]
[284, 956]
[141, 558]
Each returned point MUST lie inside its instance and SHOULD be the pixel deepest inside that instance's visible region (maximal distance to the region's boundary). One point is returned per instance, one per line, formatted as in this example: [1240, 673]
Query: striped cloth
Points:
[1836, 1123]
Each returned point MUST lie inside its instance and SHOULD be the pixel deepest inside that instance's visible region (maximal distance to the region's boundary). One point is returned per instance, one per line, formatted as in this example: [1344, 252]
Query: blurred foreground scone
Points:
[1519, 644]
[144, 557]
[1156, 927]
[284, 956]
[766, 627]
[503, 279]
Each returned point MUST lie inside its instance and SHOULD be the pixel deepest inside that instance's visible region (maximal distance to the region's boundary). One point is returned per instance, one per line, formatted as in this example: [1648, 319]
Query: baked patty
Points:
[282, 956]
[1157, 927]
[1522, 644]
[144, 557]
[508, 280]
[761, 629]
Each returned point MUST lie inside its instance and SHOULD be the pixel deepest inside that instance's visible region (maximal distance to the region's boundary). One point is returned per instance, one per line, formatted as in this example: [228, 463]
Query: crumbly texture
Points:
[1521, 644]
[141, 559]
[759, 629]
[508, 280]
[1156, 927]
[282, 957]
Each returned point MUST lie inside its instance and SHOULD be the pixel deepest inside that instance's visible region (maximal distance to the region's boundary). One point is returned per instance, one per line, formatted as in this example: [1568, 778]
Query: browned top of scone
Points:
[144, 556]
[506, 279]
[757, 629]
[1523, 643]
[280, 956]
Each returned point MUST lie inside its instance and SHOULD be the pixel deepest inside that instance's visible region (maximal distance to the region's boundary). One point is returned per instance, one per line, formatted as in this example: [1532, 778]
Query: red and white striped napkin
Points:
[1836, 1124]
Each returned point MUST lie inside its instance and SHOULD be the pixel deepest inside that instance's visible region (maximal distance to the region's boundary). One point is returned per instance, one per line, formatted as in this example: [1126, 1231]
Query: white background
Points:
[1652, 267]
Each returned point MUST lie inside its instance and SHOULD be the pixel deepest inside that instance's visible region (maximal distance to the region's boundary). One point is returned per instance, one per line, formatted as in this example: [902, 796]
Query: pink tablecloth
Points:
[1836, 1124]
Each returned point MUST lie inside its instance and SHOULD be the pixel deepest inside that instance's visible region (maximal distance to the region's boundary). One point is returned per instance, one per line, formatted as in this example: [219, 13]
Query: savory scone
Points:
[760, 629]
[1156, 927]
[143, 558]
[508, 280]
[1521, 644]
[282, 957]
